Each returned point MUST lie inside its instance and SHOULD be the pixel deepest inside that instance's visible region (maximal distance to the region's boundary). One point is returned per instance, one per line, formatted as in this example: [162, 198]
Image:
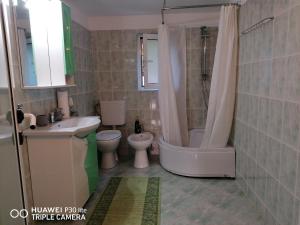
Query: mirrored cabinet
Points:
[44, 36]
[3, 64]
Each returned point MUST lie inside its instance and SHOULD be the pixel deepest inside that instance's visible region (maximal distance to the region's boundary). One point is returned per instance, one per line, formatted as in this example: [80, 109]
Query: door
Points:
[10, 183]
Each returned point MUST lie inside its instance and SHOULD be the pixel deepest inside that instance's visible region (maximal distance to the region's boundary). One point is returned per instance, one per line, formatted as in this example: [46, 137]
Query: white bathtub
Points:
[197, 162]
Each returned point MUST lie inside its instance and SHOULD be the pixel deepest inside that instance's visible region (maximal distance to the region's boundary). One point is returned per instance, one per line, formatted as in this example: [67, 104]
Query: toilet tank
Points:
[113, 112]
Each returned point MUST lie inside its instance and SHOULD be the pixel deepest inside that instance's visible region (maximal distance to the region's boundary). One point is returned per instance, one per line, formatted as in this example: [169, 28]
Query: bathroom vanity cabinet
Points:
[63, 162]
[59, 173]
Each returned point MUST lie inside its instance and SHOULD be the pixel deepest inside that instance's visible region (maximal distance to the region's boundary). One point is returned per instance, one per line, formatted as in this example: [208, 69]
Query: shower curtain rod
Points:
[165, 8]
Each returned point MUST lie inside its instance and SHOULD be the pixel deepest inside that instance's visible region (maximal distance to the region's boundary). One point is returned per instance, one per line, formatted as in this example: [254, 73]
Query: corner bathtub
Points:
[197, 162]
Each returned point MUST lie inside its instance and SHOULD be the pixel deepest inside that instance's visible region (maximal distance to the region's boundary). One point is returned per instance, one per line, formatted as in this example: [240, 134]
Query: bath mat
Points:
[128, 201]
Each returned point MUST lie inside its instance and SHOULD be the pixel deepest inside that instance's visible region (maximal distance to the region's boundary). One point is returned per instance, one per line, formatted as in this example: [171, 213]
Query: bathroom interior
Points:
[136, 112]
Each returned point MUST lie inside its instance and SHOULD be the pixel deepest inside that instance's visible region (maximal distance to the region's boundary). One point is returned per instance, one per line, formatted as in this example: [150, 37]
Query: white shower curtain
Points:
[172, 84]
[223, 84]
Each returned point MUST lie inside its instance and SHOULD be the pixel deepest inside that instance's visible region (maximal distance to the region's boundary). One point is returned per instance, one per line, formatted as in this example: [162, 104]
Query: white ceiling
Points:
[93, 8]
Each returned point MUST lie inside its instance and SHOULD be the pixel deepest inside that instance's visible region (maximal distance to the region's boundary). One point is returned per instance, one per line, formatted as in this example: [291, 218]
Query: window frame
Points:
[142, 71]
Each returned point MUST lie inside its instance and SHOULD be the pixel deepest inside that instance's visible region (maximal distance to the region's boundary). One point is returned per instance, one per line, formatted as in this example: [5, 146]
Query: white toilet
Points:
[112, 114]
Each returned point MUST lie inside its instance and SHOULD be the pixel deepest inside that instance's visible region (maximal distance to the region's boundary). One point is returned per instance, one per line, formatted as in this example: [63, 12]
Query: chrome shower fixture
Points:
[204, 37]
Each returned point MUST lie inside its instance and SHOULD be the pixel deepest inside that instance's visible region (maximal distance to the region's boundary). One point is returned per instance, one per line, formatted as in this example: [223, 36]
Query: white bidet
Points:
[140, 142]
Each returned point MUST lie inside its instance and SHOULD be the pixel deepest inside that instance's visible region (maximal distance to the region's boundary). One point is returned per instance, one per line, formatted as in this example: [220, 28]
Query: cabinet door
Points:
[56, 43]
[39, 36]
[69, 56]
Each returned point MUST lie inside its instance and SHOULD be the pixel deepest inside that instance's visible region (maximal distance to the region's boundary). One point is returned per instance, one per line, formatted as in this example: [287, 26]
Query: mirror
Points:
[40, 35]
[3, 65]
[26, 51]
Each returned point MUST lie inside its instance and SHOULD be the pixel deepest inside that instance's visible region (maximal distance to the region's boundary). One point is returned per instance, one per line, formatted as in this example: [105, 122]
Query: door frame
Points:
[4, 31]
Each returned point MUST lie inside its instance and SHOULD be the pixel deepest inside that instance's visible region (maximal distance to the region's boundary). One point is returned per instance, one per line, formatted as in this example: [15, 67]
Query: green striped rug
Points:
[129, 201]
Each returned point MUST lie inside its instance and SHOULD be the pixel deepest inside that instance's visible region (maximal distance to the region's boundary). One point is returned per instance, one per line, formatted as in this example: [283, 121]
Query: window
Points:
[147, 62]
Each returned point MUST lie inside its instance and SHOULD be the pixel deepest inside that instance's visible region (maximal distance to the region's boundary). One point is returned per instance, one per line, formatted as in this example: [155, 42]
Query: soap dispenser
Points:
[137, 127]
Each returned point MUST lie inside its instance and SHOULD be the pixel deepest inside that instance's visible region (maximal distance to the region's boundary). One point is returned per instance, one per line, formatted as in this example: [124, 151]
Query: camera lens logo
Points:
[22, 213]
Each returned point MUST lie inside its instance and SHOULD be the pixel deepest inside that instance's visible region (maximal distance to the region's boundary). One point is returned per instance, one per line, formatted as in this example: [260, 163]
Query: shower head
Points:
[204, 31]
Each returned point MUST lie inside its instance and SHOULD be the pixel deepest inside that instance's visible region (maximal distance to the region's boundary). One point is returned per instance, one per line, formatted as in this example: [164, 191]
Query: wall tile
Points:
[119, 95]
[116, 40]
[102, 61]
[265, 40]
[254, 78]
[291, 124]
[131, 80]
[130, 60]
[265, 78]
[278, 78]
[294, 31]
[263, 116]
[294, 2]
[116, 61]
[195, 59]
[288, 168]
[260, 182]
[285, 209]
[129, 38]
[271, 52]
[104, 80]
[275, 118]
[296, 216]
[100, 40]
[252, 168]
[118, 81]
[105, 95]
[292, 89]
[269, 219]
[280, 35]
[272, 194]
[298, 178]
[267, 8]
[245, 79]
[280, 6]
[195, 38]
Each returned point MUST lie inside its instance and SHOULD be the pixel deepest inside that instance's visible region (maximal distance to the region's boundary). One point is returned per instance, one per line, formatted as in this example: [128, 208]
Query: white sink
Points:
[5, 131]
[76, 126]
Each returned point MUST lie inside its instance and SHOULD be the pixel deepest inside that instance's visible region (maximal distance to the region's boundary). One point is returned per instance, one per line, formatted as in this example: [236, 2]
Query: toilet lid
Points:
[107, 135]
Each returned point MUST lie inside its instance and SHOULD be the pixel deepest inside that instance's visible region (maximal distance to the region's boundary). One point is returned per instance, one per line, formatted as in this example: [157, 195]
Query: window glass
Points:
[147, 62]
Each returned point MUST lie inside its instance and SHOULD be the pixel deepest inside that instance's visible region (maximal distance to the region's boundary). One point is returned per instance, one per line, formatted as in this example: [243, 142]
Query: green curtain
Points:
[69, 55]
[91, 162]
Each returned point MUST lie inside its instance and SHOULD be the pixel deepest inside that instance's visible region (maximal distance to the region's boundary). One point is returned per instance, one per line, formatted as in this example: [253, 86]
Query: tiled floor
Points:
[194, 201]
[189, 201]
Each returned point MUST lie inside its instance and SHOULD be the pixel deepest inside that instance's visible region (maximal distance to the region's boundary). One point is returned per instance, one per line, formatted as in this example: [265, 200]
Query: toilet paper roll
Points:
[71, 103]
[63, 103]
[32, 120]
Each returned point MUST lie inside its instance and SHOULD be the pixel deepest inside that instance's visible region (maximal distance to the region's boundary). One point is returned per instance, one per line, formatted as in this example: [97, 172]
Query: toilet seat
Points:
[108, 135]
